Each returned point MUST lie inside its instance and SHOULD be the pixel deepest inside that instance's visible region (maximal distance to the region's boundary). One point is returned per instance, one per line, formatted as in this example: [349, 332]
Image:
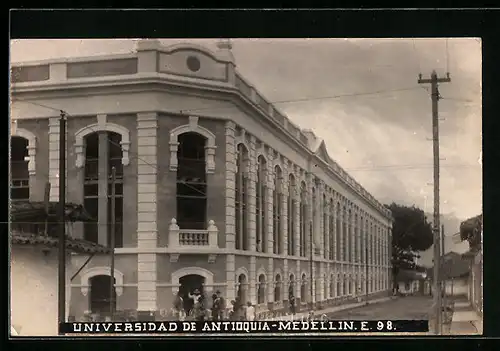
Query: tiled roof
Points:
[27, 212]
[36, 209]
[76, 245]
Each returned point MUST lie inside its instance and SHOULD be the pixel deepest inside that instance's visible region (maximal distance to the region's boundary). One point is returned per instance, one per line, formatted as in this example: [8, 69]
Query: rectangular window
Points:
[190, 211]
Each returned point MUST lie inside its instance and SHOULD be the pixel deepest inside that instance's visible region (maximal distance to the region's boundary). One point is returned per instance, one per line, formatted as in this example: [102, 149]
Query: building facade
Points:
[214, 189]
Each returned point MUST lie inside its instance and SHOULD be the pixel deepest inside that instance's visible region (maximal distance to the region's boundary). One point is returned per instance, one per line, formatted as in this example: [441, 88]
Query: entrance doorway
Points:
[189, 283]
[100, 295]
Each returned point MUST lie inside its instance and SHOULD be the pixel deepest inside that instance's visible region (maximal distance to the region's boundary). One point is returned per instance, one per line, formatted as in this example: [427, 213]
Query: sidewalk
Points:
[465, 320]
[318, 313]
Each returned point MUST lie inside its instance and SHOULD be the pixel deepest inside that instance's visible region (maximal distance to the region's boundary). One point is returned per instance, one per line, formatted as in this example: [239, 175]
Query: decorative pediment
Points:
[322, 153]
[193, 61]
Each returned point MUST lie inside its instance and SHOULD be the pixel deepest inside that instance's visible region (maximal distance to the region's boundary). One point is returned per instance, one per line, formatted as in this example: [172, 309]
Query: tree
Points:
[411, 233]
[471, 231]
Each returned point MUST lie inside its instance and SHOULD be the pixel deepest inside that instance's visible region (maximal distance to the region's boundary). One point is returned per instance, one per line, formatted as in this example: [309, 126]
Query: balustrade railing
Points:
[192, 238]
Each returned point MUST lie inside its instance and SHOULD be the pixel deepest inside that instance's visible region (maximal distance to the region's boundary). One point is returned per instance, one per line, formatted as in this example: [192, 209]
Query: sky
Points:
[381, 132]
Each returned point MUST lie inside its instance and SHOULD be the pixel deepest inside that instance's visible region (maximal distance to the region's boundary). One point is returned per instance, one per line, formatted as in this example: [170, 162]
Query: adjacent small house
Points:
[410, 281]
[34, 265]
[471, 230]
[454, 273]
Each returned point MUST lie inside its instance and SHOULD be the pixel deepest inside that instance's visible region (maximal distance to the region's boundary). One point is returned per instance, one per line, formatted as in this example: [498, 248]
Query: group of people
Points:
[196, 308]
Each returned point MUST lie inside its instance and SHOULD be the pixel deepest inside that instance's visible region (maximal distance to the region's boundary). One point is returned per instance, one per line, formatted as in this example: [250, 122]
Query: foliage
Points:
[471, 230]
[411, 233]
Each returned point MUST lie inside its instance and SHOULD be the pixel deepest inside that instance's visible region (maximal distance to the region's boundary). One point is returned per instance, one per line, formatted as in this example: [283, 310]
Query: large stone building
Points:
[215, 189]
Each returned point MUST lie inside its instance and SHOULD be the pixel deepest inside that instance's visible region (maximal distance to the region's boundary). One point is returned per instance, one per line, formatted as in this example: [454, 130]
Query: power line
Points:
[312, 98]
[403, 168]
[212, 108]
[377, 92]
[134, 155]
[461, 100]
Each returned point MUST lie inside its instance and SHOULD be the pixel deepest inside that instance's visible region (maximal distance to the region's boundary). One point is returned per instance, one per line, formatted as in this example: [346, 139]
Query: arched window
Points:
[260, 208]
[277, 289]
[302, 219]
[331, 228]
[338, 235]
[103, 152]
[261, 290]
[191, 181]
[339, 286]
[241, 198]
[19, 186]
[277, 208]
[303, 288]
[100, 299]
[291, 286]
[291, 215]
[325, 227]
[332, 285]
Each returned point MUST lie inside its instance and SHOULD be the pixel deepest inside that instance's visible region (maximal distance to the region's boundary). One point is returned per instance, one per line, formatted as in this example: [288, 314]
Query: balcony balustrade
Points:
[192, 238]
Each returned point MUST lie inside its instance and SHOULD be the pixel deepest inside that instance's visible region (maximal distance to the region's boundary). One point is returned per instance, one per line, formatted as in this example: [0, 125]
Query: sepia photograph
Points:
[228, 186]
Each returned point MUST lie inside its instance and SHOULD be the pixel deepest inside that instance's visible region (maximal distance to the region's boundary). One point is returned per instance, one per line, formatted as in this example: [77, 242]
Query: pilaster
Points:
[319, 235]
[230, 278]
[147, 227]
[269, 224]
[298, 281]
[351, 234]
[54, 158]
[230, 210]
[326, 229]
[252, 195]
[270, 280]
[252, 279]
[230, 185]
[309, 215]
[342, 232]
[284, 210]
[323, 282]
[296, 211]
[334, 231]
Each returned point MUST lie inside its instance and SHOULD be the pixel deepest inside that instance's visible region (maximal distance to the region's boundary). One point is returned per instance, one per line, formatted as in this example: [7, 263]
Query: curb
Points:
[347, 308]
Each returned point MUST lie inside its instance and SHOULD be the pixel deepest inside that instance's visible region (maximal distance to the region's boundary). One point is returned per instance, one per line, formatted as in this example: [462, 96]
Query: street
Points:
[410, 307]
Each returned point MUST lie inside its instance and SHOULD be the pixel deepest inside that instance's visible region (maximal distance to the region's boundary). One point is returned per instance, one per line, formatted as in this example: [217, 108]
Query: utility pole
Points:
[62, 218]
[434, 81]
[443, 275]
[112, 244]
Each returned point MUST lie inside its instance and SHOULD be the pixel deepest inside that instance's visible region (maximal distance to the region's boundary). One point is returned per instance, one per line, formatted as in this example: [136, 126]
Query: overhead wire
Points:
[135, 155]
